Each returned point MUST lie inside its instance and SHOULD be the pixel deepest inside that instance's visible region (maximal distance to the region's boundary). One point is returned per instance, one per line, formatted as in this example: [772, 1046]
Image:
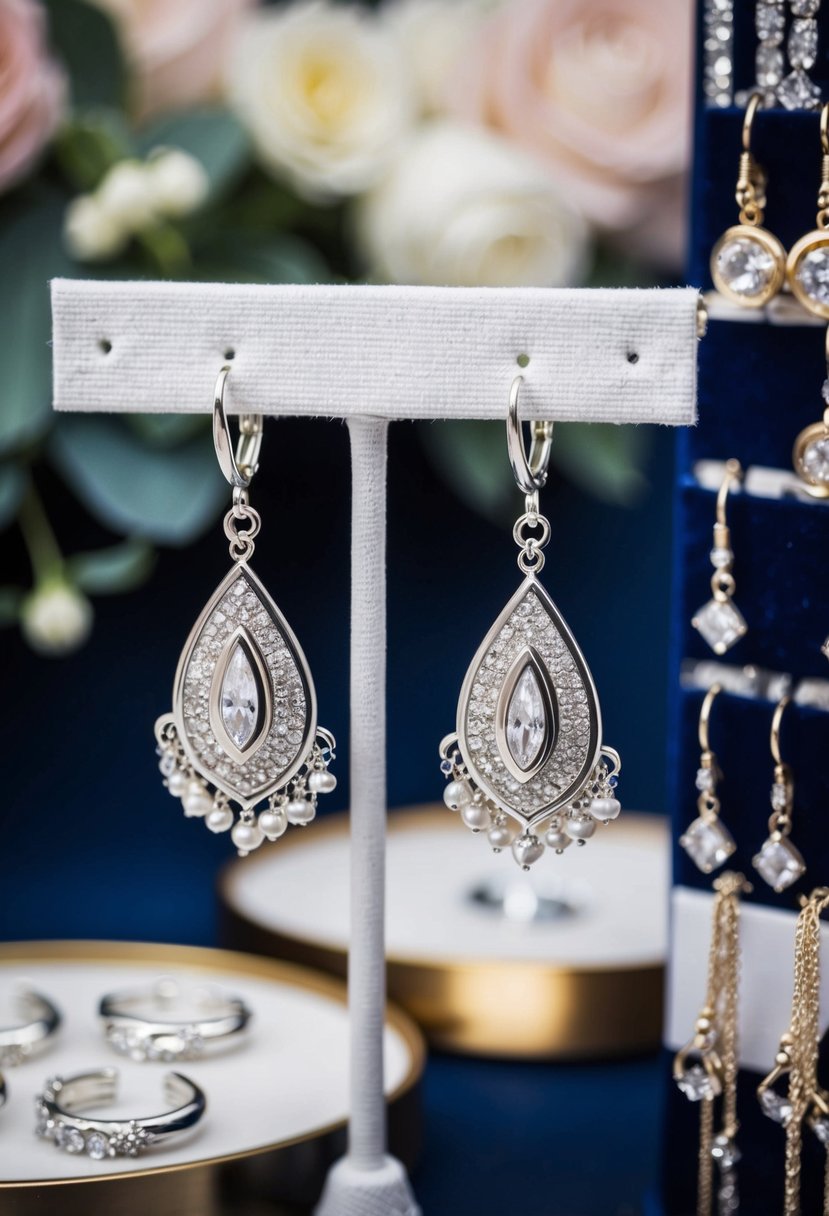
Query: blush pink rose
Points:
[176, 49]
[31, 89]
[601, 91]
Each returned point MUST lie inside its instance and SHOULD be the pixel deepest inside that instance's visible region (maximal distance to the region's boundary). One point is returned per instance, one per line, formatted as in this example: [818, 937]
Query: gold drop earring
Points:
[810, 454]
[748, 263]
[807, 267]
[779, 863]
[707, 840]
[720, 621]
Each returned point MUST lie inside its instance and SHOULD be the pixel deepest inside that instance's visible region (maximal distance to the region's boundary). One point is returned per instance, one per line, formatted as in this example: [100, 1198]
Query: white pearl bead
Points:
[300, 811]
[246, 837]
[526, 850]
[273, 823]
[557, 840]
[500, 836]
[321, 782]
[580, 827]
[605, 808]
[196, 802]
[167, 763]
[476, 816]
[177, 783]
[219, 819]
[456, 795]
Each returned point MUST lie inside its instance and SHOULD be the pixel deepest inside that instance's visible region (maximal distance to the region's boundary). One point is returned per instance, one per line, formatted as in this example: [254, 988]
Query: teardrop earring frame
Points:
[549, 767]
[278, 751]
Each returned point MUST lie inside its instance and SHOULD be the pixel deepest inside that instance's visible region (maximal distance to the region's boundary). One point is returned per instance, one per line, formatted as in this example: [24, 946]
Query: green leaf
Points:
[166, 430]
[166, 496]
[212, 135]
[118, 568]
[90, 144]
[86, 40]
[605, 460]
[10, 601]
[240, 258]
[471, 457]
[12, 487]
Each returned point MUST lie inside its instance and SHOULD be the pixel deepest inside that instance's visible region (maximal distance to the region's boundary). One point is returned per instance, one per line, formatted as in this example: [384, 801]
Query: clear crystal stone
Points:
[824, 391]
[745, 266]
[779, 797]
[805, 8]
[725, 1151]
[768, 63]
[799, 92]
[820, 1126]
[721, 624]
[69, 1139]
[721, 557]
[770, 22]
[775, 1106]
[526, 725]
[696, 1084]
[814, 461]
[802, 44]
[240, 698]
[97, 1146]
[779, 863]
[708, 843]
[705, 780]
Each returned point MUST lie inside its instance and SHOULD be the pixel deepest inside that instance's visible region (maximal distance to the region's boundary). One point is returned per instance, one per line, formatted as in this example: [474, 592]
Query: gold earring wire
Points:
[779, 863]
[808, 258]
[707, 840]
[748, 263]
[720, 621]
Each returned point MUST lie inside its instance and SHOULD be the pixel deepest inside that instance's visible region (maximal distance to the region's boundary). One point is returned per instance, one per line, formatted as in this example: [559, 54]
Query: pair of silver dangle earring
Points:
[526, 763]
[243, 728]
[707, 840]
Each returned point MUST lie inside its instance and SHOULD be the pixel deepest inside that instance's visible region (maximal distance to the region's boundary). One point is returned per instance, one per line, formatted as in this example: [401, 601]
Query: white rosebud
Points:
[177, 182]
[433, 38]
[91, 233]
[56, 618]
[126, 195]
[462, 207]
[323, 90]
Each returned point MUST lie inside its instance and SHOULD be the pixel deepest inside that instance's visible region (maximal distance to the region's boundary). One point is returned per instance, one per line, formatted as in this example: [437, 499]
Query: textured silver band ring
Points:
[164, 1023]
[40, 1020]
[58, 1120]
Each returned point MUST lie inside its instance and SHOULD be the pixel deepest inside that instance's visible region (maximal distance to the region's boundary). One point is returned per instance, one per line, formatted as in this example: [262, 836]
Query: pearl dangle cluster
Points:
[596, 804]
[296, 804]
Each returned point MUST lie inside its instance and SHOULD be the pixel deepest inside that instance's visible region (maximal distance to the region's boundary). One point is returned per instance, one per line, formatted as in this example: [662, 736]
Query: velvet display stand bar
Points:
[372, 355]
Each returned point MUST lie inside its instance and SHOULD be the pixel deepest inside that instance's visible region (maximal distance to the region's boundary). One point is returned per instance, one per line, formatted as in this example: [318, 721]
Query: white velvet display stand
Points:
[370, 355]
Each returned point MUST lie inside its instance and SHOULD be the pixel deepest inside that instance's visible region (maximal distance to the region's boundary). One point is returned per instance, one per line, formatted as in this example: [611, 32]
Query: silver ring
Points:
[165, 1023]
[530, 472]
[238, 469]
[41, 1020]
[62, 1097]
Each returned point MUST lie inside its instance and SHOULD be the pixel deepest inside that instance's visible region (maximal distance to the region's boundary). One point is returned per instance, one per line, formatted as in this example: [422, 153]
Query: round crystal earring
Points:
[778, 861]
[707, 840]
[810, 454]
[720, 621]
[807, 267]
[748, 263]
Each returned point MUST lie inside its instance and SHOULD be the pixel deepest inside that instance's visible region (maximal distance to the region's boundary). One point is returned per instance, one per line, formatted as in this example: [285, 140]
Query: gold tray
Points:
[288, 1174]
[502, 1007]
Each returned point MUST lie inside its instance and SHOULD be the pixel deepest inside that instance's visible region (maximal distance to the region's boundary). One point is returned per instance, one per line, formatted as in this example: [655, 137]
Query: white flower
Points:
[56, 618]
[126, 195]
[177, 182]
[433, 35]
[323, 90]
[461, 207]
[90, 232]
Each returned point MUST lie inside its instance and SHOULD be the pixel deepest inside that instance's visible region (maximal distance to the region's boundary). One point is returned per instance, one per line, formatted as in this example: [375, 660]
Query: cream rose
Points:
[462, 207]
[433, 36]
[31, 89]
[323, 90]
[600, 90]
[176, 48]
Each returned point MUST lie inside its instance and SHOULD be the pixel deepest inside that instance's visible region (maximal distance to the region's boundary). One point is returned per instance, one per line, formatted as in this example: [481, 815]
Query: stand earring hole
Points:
[230, 353]
[633, 357]
[523, 360]
[105, 346]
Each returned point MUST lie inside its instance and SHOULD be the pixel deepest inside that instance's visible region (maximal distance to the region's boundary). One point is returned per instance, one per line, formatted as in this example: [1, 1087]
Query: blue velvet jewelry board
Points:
[759, 385]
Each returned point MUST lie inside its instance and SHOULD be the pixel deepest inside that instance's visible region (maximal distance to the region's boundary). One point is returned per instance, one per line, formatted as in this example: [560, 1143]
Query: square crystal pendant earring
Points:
[528, 752]
[720, 621]
[778, 861]
[243, 728]
[748, 263]
[707, 840]
[807, 266]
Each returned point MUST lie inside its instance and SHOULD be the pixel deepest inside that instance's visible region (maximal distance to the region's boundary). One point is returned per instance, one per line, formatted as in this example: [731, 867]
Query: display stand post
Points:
[370, 355]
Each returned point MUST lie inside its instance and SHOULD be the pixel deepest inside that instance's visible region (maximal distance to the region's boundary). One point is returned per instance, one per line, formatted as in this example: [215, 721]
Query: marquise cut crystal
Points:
[745, 266]
[526, 726]
[240, 698]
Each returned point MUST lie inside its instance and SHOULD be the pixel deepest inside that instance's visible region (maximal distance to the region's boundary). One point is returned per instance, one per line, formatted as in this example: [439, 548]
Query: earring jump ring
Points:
[238, 469]
[530, 472]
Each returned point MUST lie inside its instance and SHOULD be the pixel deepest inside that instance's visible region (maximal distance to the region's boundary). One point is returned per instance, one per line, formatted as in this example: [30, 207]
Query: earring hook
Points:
[755, 101]
[238, 469]
[733, 476]
[824, 129]
[530, 472]
[704, 716]
[774, 739]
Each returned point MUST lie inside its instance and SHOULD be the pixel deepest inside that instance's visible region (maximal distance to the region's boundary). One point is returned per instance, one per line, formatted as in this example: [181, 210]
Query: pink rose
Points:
[31, 89]
[601, 91]
[176, 49]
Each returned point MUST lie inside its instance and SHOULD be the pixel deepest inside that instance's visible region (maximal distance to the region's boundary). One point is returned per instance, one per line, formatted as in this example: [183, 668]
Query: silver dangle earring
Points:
[243, 729]
[527, 764]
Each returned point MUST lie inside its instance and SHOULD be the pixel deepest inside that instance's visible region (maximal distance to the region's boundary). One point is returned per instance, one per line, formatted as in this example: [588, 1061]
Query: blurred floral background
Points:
[464, 142]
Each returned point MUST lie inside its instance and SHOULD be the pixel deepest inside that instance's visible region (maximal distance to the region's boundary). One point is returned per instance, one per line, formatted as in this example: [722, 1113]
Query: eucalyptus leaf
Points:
[168, 496]
[86, 42]
[117, 568]
[214, 136]
[90, 143]
[472, 458]
[275, 259]
[166, 430]
[12, 487]
[605, 460]
[10, 600]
